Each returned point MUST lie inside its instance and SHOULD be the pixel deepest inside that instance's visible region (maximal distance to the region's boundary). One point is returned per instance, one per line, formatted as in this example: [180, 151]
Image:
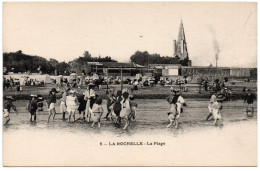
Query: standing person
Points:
[133, 105]
[72, 104]
[32, 107]
[244, 93]
[110, 101]
[117, 106]
[200, 80]
[176, 102]
[172, 89]
[63, 107]
[97, 112]
[40, 100]
[249, 98]
[125, 109]
[136, 84]
[205, 84]
[90, 98]
[82, 105]
[210, 107]
[215, 106]
[51, 103]
[8, 104]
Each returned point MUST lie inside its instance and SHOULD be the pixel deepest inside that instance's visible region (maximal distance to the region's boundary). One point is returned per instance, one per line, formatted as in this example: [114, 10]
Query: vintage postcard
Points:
[129, 84]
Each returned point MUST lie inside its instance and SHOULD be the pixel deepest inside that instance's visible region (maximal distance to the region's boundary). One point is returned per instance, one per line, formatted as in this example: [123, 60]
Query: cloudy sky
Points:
[65, 30]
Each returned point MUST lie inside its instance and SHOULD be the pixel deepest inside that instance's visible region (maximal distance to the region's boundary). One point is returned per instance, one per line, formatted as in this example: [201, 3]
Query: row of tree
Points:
[20, 62]
[144, 58]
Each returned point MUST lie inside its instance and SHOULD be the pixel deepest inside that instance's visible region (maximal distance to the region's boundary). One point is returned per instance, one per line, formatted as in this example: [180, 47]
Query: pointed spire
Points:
[181, 46]
[181, 32]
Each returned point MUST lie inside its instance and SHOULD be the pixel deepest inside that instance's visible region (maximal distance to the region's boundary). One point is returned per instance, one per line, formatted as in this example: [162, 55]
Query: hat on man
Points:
[9, 98]
[54, 90]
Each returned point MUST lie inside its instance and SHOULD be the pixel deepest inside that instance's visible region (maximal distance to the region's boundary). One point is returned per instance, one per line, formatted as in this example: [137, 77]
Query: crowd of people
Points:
[176, 102]
[120, 106]
[13, 84]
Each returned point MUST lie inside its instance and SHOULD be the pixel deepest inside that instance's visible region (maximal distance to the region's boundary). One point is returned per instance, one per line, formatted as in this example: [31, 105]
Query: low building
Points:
[116, 68]
[240, 72]
[96, 67]
[166, 70]
[205, 71]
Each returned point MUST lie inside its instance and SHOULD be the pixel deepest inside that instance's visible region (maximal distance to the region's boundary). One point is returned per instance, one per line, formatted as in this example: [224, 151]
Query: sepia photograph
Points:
[129, 84]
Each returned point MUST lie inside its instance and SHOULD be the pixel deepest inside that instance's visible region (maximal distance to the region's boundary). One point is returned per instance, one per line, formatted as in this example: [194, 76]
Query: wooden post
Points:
[121, 79]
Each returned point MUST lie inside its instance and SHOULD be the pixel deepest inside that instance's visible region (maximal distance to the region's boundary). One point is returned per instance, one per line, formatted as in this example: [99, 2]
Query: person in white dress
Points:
[97, 112]
[125, 109]
[72, 104]
[215, 107]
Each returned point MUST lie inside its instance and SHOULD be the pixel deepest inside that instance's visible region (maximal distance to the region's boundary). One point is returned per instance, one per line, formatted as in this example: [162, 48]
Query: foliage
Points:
[19, 62]
[144, 58]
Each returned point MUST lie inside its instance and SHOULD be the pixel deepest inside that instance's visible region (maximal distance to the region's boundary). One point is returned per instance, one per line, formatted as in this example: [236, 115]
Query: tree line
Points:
[144, 58]
[20, 62]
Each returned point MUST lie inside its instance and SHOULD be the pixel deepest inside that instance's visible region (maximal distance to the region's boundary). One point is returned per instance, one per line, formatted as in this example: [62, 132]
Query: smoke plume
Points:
[215, 44]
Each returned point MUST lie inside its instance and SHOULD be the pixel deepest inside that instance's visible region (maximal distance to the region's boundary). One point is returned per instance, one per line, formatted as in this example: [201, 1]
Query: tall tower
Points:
[180, 46]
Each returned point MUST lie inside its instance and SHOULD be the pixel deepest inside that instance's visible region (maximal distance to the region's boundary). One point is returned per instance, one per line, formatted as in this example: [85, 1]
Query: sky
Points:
[63, 31]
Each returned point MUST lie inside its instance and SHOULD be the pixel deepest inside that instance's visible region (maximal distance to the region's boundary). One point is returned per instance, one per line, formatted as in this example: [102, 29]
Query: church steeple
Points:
[180, 47]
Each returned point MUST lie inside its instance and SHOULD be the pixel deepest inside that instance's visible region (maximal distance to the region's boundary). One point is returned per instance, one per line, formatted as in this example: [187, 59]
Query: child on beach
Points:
[97, 112]
[8, 104]
[32, 107]
[133, 107]
[249, 98]
[110, 102]
[125, 109]
[63, 107]
[40, 102]
[72, 104]
[215, 107]
[176, 108]
[51, 103]
[90, 95]
[117, 106]
[82, 106]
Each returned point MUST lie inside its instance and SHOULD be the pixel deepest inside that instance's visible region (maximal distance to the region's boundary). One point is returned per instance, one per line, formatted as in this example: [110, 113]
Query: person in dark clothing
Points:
[205, 84]
[32, 107]
[8, 104]
[244, 93]
[51, 103]
[249, 98]
[117, 105]
[82, 106]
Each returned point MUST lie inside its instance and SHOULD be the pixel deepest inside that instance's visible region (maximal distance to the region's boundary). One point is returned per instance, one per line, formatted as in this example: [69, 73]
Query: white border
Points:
[125, 168]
